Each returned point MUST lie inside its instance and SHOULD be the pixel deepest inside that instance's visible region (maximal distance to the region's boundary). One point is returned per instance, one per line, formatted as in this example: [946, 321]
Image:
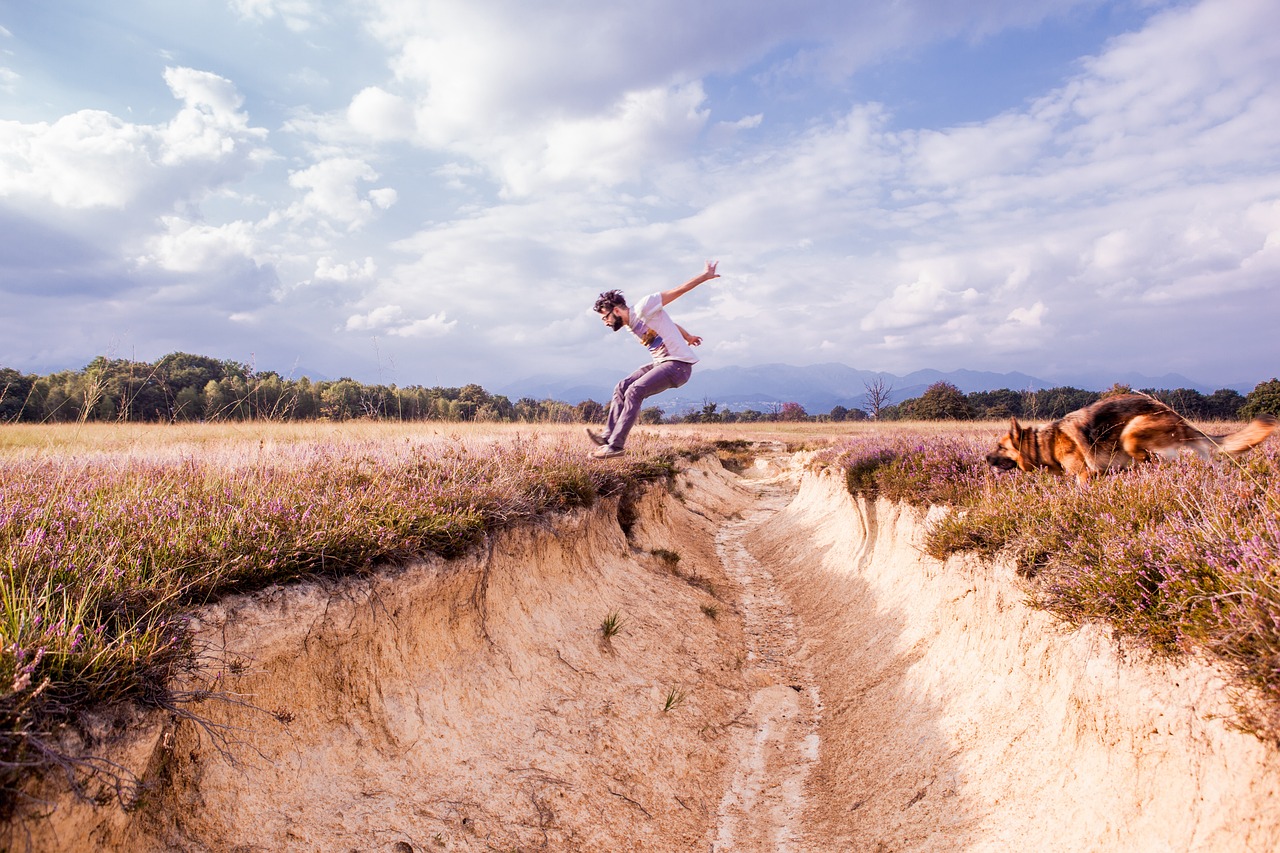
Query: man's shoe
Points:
[596, 437]
[606, 452]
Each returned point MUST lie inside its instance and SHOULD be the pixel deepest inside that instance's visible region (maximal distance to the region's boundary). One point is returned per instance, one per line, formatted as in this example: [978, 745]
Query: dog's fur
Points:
[1114, 433]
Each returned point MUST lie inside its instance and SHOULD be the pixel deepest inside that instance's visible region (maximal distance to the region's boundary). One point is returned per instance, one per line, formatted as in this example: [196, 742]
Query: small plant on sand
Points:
[710, 611]
[612, 625]
[671, 558]
[675, 696]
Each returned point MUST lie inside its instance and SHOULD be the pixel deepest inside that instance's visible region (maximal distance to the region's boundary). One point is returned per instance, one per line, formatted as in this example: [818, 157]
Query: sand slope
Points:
[955, 717]
[801, 679]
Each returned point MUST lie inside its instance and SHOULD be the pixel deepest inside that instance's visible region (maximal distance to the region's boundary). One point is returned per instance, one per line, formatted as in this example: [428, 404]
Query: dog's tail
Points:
[1243, 440]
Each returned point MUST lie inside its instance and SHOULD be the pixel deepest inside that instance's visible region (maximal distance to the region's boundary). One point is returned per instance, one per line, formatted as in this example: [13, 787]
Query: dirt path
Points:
[777, 744]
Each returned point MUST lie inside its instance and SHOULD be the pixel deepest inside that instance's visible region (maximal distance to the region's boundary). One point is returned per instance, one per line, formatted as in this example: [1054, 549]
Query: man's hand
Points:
[669, 296]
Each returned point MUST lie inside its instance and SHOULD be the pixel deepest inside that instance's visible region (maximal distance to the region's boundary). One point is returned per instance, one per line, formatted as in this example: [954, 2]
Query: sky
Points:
[434, 192]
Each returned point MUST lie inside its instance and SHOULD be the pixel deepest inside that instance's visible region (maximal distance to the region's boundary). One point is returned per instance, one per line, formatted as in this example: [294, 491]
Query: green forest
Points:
[181, 387]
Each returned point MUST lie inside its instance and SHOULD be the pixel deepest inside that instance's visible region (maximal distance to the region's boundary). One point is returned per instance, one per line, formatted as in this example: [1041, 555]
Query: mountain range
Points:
[817, 387]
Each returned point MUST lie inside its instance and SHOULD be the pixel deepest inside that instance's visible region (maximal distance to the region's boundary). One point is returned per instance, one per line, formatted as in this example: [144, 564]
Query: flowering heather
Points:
[914, 468]
[101, 554]
[1182, 556]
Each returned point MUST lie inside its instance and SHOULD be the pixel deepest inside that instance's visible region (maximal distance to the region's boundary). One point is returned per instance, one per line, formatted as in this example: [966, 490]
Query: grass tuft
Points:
[611, 626]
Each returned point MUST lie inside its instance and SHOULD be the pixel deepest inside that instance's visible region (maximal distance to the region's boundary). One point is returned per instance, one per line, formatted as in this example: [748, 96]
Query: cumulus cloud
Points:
[390, 320]
[195, 247]
[381, 115]
[327, 270]
[559, 149]
[331, 192]
[92, 159]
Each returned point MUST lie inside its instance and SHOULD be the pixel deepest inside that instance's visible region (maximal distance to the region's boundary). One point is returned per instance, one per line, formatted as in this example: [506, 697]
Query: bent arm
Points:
[669, 296]
[691, 340]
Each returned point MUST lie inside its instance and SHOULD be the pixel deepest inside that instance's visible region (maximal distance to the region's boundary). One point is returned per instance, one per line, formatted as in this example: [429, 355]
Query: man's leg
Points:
[635, 389]
[619, 399]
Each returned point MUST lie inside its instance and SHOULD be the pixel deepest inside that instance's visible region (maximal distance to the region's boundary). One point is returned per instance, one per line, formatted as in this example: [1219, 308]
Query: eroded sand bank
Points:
[801, 678]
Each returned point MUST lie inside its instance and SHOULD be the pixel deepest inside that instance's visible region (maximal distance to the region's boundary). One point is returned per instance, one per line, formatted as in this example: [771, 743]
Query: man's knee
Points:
[636, 393]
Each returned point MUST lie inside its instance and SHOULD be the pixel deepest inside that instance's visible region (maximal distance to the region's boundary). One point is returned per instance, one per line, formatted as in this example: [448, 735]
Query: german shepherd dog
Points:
[1115, 432]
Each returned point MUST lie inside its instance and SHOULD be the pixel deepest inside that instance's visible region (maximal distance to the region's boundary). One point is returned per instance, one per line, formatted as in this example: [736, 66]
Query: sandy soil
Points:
[801, 678]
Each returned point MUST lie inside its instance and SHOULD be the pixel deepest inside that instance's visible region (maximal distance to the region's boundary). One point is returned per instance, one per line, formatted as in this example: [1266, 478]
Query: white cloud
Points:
[194, 247]
[533, 155]
[427, 327]
[381, 115]
[91, 159]
[388, 320]
[928, 301]
[331, 192]
[327, 270]
[643, 128]
[376, 319]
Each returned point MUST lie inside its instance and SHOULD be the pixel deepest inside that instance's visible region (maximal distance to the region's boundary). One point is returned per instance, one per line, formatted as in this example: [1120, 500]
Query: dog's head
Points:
[1008, 454]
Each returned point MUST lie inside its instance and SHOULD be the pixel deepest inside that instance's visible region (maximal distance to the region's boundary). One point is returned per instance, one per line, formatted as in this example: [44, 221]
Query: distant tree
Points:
[792, 412]
[838, 414]
[1001, 404]
[879, 392]
[1187, 402]
[1116, 390]
[942, 401]
[341, 400]
[1223, 405]
[1053, 403]
[1263, 399]
[591, 412]
[213, 400]
[529, 410]
[651, 415]
[15, 392]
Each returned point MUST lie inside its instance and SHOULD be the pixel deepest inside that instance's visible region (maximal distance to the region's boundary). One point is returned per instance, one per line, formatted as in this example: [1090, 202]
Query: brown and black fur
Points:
[1114, 433]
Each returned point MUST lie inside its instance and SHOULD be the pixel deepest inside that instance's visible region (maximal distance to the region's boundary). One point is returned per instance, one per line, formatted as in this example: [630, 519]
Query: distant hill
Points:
[817, 387]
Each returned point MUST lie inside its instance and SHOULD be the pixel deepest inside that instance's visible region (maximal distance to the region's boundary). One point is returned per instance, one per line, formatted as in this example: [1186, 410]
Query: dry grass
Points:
[110, 534]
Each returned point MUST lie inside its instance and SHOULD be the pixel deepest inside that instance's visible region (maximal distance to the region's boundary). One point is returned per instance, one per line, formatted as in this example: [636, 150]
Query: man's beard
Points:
[616, 324]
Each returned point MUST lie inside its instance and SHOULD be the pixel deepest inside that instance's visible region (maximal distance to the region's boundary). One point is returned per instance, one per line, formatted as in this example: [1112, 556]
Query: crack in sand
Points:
[764, 806]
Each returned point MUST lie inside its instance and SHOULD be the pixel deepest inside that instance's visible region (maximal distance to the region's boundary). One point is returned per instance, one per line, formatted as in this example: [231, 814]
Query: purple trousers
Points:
[630, 394]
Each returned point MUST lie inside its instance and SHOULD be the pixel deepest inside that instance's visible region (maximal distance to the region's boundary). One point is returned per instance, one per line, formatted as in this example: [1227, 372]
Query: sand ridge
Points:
[792, 674]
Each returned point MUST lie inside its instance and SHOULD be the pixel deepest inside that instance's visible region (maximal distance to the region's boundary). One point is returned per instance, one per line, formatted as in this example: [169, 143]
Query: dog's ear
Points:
[1015, 429]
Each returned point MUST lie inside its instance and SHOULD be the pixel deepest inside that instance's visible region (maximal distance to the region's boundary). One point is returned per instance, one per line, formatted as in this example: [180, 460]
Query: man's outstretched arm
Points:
[669, 296]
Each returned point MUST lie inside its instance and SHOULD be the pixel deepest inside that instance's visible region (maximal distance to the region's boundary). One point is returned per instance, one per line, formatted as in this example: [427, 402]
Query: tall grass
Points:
[103, 553]
[1183, 557]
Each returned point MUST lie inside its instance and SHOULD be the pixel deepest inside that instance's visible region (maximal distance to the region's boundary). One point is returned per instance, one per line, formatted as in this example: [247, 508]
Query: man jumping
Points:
[673, 360]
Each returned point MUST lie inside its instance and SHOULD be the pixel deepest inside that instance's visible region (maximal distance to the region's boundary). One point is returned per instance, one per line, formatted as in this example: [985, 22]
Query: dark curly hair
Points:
[609, 299]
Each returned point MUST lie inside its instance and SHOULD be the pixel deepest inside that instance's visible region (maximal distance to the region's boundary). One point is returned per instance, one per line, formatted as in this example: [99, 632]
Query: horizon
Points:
[434, 196]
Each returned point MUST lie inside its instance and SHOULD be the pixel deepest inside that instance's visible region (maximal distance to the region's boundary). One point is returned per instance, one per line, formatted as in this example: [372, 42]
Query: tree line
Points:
[944, 401]
[181, 387]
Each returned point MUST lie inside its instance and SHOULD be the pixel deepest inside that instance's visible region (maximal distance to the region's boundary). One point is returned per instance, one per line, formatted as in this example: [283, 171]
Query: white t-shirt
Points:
[657, 331]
